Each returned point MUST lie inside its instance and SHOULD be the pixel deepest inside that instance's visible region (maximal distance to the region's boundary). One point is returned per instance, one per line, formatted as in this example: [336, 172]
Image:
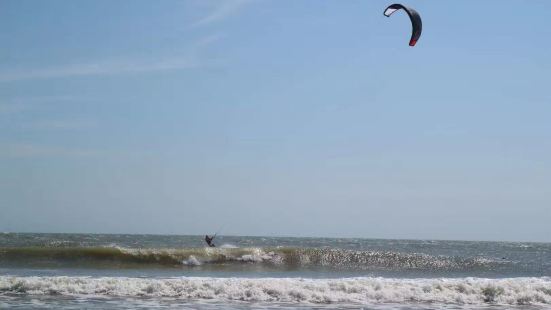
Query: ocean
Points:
[95, 271]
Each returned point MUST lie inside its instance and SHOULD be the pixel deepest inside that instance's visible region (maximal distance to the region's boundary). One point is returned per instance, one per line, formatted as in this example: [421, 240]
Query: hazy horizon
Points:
[222, 235]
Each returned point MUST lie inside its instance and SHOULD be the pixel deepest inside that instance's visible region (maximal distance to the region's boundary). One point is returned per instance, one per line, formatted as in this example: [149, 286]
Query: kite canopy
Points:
[416, 23]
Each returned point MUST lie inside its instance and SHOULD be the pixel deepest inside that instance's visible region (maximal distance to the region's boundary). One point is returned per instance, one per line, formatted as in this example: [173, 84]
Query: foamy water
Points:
[472, 291]
[67, 271]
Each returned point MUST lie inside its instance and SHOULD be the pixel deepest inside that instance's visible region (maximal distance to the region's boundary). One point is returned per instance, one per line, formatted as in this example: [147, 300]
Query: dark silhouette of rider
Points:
[209, 240]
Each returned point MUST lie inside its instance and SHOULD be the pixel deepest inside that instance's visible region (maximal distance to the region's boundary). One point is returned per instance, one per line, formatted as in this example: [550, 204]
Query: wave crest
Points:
[290, 257]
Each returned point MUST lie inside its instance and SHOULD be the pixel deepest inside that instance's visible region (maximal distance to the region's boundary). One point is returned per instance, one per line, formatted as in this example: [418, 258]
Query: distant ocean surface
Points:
[74, 271]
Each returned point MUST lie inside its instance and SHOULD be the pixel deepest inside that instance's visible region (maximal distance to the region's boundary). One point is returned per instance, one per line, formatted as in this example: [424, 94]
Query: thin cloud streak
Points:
[14, 108]
[25, 104]
[92, 69]
[59, 125]
[33, 151]
[189, 60]
[224, 10]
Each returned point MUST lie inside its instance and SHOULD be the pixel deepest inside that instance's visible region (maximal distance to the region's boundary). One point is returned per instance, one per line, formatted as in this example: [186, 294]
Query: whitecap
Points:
[468, 291]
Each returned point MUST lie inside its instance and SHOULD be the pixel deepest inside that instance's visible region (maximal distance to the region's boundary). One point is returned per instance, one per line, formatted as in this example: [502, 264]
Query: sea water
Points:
[73, 271]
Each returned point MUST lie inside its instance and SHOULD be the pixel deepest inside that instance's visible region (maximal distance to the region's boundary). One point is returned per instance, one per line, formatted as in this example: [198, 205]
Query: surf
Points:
[470, 291]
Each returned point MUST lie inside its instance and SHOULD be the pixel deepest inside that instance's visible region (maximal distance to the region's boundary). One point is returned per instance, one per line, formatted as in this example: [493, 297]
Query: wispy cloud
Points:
[206, 40]
[13, 108]
[26, 103]
[58, 125]
[187, 60]
[221, 11]
[99, 68]
[20, 150]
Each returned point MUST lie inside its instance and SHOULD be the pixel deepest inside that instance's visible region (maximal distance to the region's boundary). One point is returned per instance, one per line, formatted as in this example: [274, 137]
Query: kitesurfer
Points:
[209, 240]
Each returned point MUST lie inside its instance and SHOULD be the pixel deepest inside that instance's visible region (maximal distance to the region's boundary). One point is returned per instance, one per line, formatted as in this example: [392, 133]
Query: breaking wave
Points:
[472, 291]
[288, 257]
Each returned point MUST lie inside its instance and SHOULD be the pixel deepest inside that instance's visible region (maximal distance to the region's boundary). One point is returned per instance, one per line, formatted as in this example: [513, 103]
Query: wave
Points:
[473, 291]
[288, 257]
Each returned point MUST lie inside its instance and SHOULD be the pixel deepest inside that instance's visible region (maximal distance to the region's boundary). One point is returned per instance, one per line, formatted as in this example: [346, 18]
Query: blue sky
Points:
[295, 118]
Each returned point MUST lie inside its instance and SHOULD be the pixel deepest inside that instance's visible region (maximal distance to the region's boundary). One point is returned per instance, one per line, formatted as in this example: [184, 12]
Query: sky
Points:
[276, 118]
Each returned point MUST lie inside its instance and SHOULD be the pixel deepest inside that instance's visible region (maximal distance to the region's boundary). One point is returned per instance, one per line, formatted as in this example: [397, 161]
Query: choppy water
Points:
[153, 271]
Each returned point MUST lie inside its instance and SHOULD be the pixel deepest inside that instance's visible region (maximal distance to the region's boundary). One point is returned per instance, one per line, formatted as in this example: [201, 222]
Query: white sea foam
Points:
[472, 291]
[228, 246]
[192, 261]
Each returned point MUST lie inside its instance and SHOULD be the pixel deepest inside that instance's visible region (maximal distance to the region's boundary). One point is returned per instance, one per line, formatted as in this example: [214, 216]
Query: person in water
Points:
[209, 240]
